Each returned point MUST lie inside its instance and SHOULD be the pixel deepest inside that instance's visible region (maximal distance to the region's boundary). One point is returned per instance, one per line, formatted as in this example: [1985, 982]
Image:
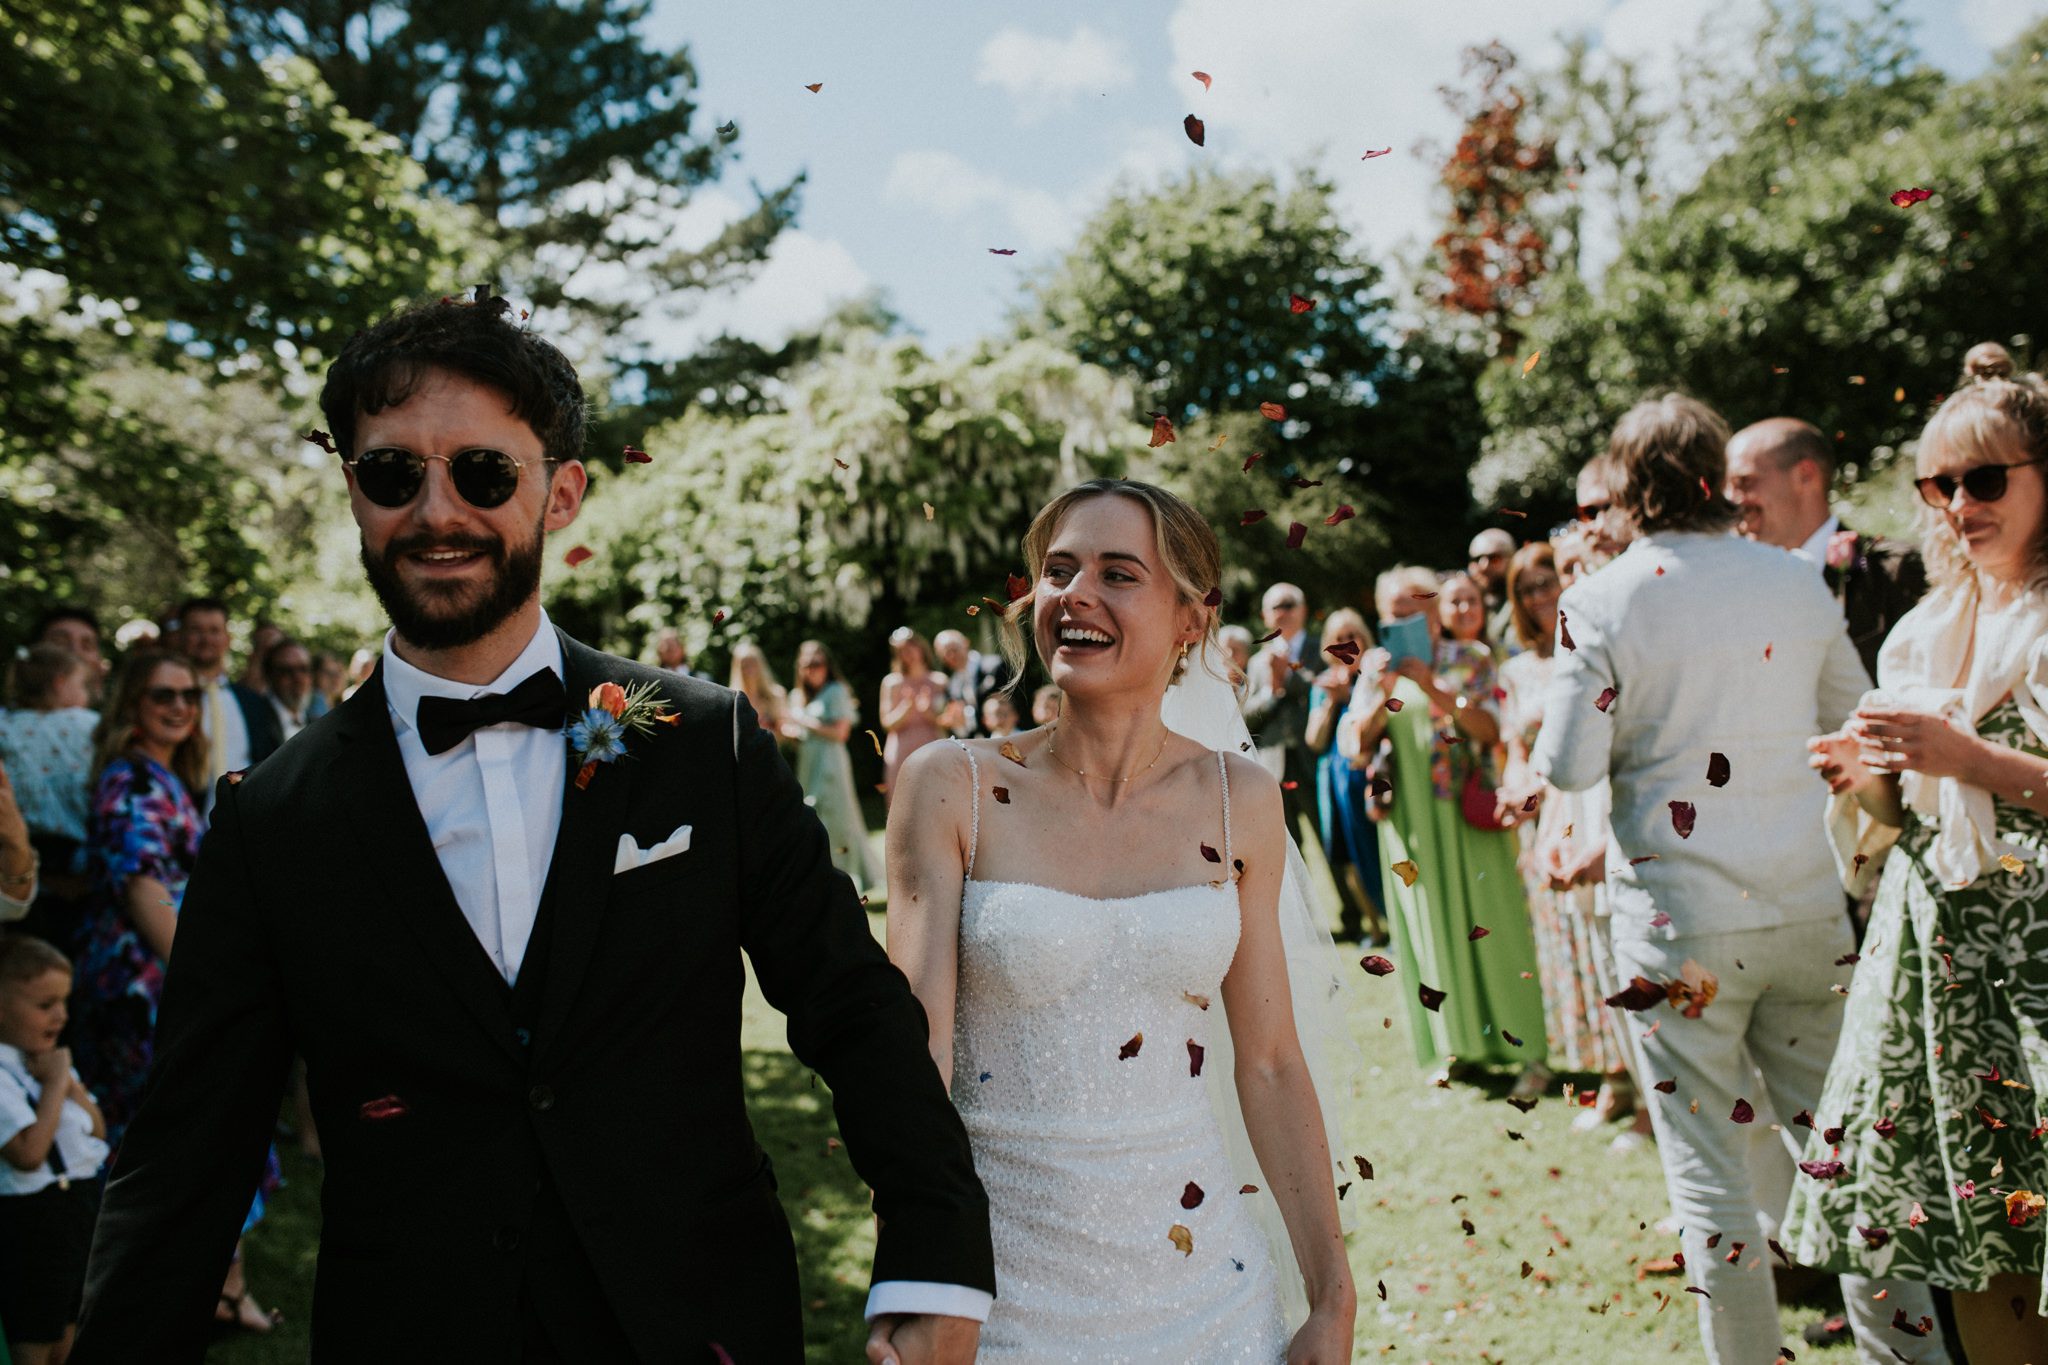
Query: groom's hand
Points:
[922, 1339]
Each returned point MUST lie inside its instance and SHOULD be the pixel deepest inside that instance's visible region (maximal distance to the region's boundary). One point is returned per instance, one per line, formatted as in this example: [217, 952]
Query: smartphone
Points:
[1407, 638]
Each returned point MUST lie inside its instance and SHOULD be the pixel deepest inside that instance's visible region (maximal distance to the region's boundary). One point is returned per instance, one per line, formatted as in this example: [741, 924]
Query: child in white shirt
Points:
[52, 1148]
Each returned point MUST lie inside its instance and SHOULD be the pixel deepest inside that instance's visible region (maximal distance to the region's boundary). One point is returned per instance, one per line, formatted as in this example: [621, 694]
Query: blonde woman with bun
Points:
[1069, 905]
[1938, 1078]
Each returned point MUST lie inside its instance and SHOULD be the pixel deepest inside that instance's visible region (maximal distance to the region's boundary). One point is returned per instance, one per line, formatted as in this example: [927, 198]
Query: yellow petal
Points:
[1179, 1235]
[1407, 872]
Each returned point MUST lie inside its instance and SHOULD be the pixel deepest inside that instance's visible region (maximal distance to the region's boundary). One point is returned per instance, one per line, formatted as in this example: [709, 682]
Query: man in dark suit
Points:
[242, 729]
[509, 956]
[1780, 471]
[971, 679]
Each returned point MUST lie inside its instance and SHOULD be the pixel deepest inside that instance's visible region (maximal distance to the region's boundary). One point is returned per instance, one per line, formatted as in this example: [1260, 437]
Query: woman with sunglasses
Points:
[1935, 1090]
[142, 838]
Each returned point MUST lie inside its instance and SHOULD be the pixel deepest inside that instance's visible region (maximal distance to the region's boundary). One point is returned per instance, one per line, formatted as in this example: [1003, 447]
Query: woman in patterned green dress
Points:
[1926, 1160]
[821, 715]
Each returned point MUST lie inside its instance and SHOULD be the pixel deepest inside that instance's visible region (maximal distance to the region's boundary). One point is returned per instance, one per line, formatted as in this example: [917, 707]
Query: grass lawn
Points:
[1489, 1247]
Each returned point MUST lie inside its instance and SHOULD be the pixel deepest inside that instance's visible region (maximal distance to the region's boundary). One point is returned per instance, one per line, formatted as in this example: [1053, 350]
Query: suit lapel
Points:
[394, 839]
[579, 874]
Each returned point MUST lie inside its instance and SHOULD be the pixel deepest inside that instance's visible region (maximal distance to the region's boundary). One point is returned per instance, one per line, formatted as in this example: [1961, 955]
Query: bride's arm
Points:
[1281, 1113]
[927, 856]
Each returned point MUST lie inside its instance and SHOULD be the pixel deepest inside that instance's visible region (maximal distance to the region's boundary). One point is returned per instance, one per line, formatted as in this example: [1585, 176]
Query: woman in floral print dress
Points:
[1927, 1160]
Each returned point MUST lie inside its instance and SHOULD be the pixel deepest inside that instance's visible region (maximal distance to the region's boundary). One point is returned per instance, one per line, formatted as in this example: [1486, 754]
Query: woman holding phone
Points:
[1463, 950]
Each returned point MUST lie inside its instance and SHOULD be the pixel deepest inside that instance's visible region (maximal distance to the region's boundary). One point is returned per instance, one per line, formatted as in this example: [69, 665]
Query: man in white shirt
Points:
[1700, 664]
[241, 729]
[497, 902]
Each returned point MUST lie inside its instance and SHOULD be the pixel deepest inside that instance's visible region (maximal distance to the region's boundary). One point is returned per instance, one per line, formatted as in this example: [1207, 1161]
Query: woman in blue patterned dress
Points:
[142, 840]
[1926, 1159]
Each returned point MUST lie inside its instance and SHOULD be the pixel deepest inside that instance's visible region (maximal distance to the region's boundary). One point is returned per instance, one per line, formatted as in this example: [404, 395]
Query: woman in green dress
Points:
[1926, 1159]
[1464, 954]
[820, 718]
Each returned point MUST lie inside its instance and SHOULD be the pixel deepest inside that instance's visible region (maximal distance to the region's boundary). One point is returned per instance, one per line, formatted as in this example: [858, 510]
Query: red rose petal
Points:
[577, 555]
[1130, 1049]
[1201, 76]
[1296, 533]
[1273, 412]
[635, 455]
[1297, 304]
[1344, 513]
[1683, 813]
[1666, 1087]
[1002, 796]
[1905, 199]
[1478, 932]
[1823, 1170]
[1605, 699]
[1251, 460]
[1742, 1113]
[1381, 152]
[1162, 431]
[1195, 1054]
[1640, 994]
[1211, 854]
[1196, 132]
[1364, 1166]
[1192, 1196]
[1430, 996]
[1017, 585]
[1214, 598]
[1564, 633]
[1376, 965]
[1345, 652]
[1251, 515]
[1002, 251]
[815, 87]
[1717, 770]
[323, 440]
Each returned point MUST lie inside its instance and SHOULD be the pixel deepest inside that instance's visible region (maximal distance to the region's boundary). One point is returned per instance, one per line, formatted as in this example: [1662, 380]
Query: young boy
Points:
[999, 716]
[52, 1146]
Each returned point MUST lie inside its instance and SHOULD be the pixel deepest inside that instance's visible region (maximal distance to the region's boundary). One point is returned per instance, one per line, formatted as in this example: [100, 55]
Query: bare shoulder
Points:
[1254, 794]
[934, 773]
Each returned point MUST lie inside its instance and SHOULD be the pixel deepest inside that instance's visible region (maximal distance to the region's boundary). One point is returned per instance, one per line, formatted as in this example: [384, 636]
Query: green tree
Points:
[1786, 281]
[1187, 291]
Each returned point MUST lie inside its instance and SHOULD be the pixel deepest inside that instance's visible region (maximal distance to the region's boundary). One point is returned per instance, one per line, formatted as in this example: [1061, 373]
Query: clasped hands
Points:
[1883, 741]
[922, 1339]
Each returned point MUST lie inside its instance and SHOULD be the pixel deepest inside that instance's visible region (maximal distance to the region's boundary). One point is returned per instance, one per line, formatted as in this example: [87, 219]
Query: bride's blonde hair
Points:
[1187, 547]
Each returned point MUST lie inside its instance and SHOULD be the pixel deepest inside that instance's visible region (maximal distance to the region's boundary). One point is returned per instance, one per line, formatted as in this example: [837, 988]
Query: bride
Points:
[1068, 905]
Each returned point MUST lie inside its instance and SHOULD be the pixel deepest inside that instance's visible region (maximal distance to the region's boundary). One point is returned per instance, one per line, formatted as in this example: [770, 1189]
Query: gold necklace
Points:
[1052, 746]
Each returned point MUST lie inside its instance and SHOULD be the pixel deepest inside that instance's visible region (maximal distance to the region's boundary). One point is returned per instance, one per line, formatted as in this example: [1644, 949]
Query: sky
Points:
[943, 130]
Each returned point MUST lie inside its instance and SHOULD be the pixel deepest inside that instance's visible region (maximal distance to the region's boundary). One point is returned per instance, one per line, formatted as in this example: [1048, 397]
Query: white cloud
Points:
[1048, 74]
[804, 278]
[1995, 23]
[952, 188]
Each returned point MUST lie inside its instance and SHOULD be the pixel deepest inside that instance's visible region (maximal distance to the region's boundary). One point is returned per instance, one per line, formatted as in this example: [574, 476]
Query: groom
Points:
[512, 966]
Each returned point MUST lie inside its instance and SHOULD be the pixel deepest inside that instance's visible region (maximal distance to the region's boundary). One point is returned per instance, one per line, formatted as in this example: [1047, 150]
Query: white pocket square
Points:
[631, 855]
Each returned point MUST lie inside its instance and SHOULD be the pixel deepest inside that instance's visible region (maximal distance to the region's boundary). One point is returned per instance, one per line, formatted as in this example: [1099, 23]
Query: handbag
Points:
[1479, 803]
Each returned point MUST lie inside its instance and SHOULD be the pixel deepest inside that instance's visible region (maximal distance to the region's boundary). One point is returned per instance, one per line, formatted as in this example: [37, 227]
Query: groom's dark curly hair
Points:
[382, 366]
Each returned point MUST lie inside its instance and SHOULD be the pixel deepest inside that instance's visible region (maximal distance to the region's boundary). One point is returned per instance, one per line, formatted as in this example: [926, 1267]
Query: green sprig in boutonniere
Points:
[599, 734]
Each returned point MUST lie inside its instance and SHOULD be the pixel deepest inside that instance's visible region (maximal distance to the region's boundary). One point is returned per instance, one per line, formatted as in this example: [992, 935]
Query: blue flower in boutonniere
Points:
[599, 734]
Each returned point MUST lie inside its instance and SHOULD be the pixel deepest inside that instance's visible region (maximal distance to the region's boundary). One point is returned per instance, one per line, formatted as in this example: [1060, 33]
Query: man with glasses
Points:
[497, 900]
[1779, 474]
[1487, 561]
[1276, 708]
[288, 673]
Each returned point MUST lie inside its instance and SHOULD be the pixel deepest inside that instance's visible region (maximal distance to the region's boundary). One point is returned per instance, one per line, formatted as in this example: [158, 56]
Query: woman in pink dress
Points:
[913, 695]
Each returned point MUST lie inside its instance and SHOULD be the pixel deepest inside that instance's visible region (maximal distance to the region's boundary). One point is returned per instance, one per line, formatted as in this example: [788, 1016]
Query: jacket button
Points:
[506, 1239]
[541, 1098]
[525, 1036]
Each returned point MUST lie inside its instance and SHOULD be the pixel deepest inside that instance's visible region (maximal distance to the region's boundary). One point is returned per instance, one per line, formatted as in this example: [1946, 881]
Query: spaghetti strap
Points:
[1224, 772]
[974, 829]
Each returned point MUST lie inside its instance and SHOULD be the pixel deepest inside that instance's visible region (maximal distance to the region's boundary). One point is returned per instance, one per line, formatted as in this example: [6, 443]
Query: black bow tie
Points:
[445, 722]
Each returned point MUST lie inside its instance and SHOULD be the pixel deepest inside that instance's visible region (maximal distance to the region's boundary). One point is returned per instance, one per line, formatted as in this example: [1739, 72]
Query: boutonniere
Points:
[1840, 556]
[599, 734]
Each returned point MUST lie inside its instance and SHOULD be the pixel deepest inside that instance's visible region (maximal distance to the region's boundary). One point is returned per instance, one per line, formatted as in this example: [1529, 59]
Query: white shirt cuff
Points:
[927, 1296]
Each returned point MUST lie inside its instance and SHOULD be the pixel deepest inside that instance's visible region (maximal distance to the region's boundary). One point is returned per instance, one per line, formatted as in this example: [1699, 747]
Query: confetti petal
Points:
[1196, 132]
[1002, 251]
[1376, 965]
[1530, 363]
[1211, 854]
[1296, 533]
[1605, 699]
[1742, 1113]
[1478, 932]
[1430, 996]
[1383, 151]
[1162, 431]
[1251, 460]
[1717, 770]
[635, 455]
[1013, 753]
[1213, 598]
[929, 511]
[1905, 199]
[816, 87]
[1345, 652]
[1182, 1239]
[1564, 633]
[1192, 1196]
[1297, 304]
[1130, 1049]
[1203, 77]
[1683, 813]
[1273, 412]
[1344, 513]
[1364, 1166]
[577, 554]
[323, 440]
[1254, 514]
[1002, 795]
[1195, 1054]
[1407, 871]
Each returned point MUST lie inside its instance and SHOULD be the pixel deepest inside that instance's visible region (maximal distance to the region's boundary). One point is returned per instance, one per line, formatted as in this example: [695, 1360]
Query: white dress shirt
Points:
[290, 721]
[492, 806]
[20, 1094]
[1815, 550]
[493, 803]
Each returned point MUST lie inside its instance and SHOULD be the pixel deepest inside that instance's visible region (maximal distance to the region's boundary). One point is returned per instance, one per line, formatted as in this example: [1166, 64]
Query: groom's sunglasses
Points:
[392, 476]
[1984, 483]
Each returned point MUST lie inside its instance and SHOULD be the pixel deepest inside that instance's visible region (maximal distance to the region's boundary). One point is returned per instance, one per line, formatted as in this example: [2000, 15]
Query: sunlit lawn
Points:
[1581, 1218]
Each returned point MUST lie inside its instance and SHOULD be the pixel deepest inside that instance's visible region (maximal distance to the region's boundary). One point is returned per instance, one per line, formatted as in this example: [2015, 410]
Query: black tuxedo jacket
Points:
[457, 1113]
[1877, 587]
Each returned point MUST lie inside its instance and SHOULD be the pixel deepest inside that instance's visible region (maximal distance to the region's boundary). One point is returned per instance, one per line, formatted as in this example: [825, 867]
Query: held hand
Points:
[1278, 665]
[1325, 1339]
[923, 1339]
[1511, 805]
[1893, 740]
[50, 1068]
[1336, 682]
[1838, 759]
[13, 828]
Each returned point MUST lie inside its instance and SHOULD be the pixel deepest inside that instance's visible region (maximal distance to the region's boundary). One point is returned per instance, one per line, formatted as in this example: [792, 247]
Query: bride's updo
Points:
[1187, 547]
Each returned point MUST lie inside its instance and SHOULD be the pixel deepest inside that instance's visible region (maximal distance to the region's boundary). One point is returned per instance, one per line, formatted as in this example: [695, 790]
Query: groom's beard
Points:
[450, 615]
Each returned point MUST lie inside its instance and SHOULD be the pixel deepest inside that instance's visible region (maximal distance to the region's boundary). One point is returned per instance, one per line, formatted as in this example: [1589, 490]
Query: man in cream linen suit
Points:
[511, 959]
[1701, 665]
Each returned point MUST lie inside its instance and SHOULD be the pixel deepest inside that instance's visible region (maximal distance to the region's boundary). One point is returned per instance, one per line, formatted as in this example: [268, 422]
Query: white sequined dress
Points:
[1096, 1147]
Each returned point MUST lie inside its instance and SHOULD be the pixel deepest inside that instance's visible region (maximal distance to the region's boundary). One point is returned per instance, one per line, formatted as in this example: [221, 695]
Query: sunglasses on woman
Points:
[1590, 511]
[1984, 483]
[171, 696]
[392, 476]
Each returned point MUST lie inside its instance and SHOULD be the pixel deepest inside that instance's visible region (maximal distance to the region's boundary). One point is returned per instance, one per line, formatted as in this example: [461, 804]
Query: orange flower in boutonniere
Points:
[599, 734]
